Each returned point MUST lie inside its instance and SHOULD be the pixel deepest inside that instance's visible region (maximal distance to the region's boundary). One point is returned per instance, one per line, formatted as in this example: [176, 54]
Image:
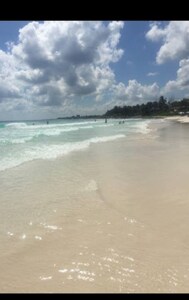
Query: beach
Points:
[109, 217]
[180, 119]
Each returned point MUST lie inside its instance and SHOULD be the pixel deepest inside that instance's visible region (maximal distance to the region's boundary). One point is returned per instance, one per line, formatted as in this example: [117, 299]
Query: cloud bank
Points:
[60, 68]
[59, 60]
[174, 39]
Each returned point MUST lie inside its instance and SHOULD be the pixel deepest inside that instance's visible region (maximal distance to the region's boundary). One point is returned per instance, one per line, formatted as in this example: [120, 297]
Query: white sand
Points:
[116, 219]
[180, 119]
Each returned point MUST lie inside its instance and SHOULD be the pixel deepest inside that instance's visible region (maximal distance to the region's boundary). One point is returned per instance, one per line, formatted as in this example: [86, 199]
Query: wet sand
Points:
[112, 218]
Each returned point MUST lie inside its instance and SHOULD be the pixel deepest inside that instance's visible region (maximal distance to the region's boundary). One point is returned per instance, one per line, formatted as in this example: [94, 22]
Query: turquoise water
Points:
[21, 142]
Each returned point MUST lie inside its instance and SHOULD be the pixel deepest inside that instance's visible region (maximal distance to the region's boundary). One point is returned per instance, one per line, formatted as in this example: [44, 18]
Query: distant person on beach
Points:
[47, 122]
[105, 120]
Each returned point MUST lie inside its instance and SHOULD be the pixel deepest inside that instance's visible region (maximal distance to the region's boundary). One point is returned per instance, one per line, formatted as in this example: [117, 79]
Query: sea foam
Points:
[22, 142]
[52, 151]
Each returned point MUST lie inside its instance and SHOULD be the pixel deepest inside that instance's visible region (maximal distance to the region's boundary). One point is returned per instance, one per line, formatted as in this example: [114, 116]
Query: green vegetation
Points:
[150, 109]
[159, 108]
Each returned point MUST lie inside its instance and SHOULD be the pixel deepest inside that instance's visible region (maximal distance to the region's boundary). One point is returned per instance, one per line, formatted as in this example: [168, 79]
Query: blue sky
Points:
[139, 57]
[56, 68]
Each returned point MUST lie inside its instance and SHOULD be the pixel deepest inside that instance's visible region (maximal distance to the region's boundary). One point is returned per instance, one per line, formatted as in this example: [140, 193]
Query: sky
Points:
[50, 69]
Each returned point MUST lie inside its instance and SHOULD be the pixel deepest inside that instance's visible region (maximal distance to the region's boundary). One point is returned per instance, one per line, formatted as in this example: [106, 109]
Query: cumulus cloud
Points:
[7, 90]
[136, 92]
[8, 87]
[64, 67]
[55, 61]
[181, 83]
[150, 74]
[155, 33]
[68, 50]
[174, 38]
[183, 73]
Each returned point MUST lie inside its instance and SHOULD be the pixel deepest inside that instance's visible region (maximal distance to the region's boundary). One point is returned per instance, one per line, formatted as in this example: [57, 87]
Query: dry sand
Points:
[180, 119]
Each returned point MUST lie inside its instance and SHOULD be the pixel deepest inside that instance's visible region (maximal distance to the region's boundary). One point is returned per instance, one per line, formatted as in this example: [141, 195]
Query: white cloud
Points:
[183, 73]
[150, 74]
[174, 38]
[136, 92]
[8, 86]
[181, 84]
[155, 33]
[62, 68]
[55, 61]
[7, 90]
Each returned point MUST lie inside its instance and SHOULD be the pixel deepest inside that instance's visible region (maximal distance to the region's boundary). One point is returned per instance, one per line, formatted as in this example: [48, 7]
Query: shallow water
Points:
[23, 142]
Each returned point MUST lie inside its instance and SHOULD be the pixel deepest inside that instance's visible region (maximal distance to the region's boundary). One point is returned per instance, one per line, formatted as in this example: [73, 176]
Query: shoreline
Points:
[180, 119]
[112, 218]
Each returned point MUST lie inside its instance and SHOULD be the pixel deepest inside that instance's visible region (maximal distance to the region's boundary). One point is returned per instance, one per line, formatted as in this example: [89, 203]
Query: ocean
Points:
[21, 142]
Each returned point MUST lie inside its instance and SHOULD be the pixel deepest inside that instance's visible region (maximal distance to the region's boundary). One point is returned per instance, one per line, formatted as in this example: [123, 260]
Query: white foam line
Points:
[54, 151]
[17, 125]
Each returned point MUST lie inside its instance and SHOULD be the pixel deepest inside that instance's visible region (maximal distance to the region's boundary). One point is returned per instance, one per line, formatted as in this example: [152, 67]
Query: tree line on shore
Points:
[162, 107]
